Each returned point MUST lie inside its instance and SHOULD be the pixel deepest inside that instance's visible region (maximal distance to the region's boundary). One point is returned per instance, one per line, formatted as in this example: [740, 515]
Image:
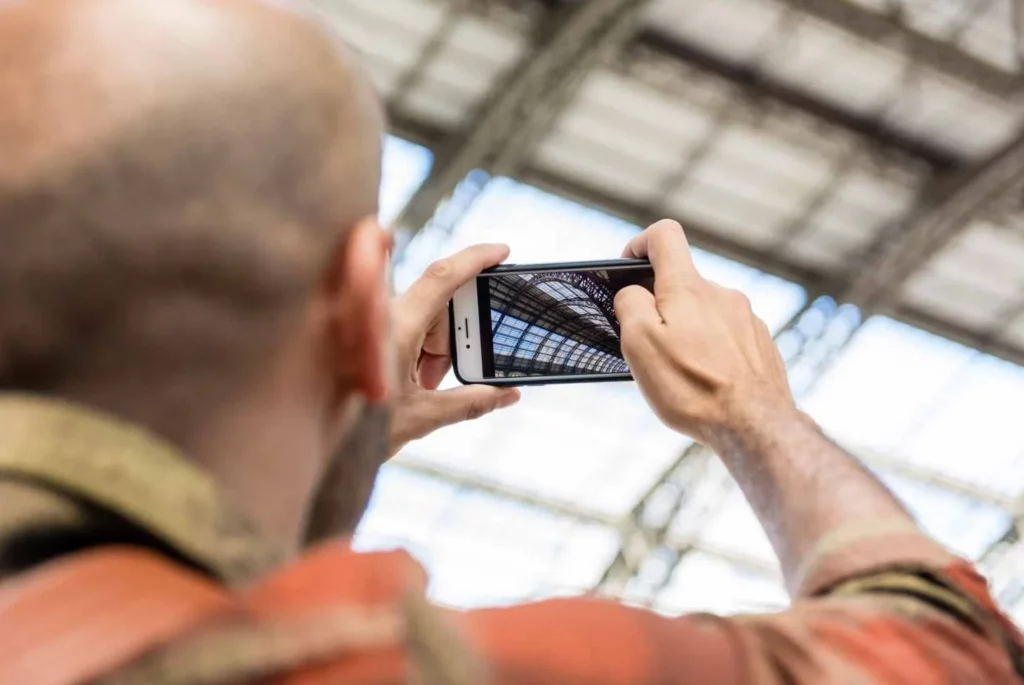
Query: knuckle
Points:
[440, 270]
[476, 409]
[738, 299]
[685, 287]
[682, 288]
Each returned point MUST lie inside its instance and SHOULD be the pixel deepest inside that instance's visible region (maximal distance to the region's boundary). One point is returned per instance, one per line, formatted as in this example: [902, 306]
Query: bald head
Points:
[173, 179]
[77, 73]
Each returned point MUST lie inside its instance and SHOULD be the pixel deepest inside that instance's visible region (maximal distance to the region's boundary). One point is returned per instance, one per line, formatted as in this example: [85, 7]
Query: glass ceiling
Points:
[526, 503]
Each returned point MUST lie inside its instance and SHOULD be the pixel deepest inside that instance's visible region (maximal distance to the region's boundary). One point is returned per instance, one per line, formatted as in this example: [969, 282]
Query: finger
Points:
[635, 307]
[432, 370]
[665, 245]
[429, 295]
[437, 341]
[449, 407]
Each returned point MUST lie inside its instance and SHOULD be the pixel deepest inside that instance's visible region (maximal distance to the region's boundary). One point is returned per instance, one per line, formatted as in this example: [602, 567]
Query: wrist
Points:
[756, 419]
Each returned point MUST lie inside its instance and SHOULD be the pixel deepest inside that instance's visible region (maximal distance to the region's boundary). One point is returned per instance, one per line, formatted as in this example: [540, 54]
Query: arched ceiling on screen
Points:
[869, 150]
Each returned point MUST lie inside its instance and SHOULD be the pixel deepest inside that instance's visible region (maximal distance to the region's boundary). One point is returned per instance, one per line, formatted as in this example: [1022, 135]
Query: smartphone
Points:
[543, 323]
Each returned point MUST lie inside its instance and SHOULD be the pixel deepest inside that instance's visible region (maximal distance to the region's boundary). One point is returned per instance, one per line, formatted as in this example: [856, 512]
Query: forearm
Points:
[805, 489]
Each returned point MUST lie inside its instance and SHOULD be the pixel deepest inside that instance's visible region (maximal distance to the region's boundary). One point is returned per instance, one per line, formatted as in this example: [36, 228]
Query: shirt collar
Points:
[129, 472]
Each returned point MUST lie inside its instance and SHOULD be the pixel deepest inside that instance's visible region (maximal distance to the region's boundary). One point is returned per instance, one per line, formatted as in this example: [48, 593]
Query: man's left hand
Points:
[422, 336]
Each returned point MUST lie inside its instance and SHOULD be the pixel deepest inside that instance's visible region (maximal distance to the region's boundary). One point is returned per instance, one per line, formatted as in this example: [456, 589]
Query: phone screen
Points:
[555, 323]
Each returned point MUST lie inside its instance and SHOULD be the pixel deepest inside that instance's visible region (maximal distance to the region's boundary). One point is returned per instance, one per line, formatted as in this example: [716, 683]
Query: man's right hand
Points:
[702, 358]
[709, 368]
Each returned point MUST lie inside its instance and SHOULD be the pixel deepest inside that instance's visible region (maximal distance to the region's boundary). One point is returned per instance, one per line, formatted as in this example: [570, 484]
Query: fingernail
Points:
[508, 398]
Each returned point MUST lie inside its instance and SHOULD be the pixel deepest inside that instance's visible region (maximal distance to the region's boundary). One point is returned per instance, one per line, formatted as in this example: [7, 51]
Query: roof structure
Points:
[854, 165]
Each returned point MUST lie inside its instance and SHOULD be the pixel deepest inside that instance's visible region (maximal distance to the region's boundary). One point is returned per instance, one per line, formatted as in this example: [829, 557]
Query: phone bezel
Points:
[460, 371]
[466, 348]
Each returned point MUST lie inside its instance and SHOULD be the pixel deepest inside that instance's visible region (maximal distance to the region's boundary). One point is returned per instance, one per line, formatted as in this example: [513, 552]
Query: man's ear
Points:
[361, 311]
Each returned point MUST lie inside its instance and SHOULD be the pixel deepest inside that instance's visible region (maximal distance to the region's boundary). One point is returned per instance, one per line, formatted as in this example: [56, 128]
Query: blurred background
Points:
[854, 166]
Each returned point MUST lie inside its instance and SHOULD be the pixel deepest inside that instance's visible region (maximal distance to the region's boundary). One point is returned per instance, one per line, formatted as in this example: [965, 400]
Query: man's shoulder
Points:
[131, 616]
[81, 616]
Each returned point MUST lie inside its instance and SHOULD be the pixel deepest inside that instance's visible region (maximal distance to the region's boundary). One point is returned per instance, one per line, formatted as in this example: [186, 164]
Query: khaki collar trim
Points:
[127, 471]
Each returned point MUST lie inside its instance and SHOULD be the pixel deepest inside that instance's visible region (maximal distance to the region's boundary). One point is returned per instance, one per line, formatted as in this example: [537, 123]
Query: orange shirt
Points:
[341, 617]
[880, 604]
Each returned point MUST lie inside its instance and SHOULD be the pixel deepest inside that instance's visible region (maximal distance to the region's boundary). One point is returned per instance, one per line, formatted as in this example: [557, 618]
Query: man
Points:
[193, 318]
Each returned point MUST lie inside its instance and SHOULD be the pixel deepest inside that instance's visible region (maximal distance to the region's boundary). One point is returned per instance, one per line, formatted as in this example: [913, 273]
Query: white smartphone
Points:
[543, 323]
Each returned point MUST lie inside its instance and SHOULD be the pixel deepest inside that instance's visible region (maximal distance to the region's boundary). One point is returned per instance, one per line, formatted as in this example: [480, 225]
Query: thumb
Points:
[432, 370]
[468, 403]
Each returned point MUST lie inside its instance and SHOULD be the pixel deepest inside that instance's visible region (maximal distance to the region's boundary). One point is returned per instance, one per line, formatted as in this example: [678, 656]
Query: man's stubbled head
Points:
[182, 186]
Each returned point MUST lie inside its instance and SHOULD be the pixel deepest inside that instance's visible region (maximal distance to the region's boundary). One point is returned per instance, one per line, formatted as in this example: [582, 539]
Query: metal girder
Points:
[766, 90]
[891, 29]
[1017, 17]
[951, 484]
[979, 341]
[877, 278]
[646, 532]
[705, 237]
[1002, 561]
[521, 108]
[701, 236]
[947, 209]
[480, 484]
[561, 509]
[874, 283]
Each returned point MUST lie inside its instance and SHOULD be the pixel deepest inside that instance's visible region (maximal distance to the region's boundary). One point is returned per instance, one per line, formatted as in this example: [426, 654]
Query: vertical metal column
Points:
[520, 109]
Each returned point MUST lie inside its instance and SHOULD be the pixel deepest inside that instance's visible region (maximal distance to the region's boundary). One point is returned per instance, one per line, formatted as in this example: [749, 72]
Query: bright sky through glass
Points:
[591, 452]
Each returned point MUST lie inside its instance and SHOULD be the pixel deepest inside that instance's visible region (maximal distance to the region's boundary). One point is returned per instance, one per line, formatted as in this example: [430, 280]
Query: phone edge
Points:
[544, 380]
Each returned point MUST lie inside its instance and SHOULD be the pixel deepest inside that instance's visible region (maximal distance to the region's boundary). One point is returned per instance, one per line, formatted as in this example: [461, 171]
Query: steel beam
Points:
[982, 342]
[646, 531]
[941, 481]
[705, 237]
[947, 209]
[561, 509]
[501, 490]
[760, 88]
[891, 29]
[1017, 17]
[1002, 561]
[522, 107]
[877, 278]
[879, 275]
[701, 236]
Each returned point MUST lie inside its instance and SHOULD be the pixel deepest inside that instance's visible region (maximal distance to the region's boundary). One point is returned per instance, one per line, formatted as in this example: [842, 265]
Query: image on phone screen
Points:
[554, 323]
